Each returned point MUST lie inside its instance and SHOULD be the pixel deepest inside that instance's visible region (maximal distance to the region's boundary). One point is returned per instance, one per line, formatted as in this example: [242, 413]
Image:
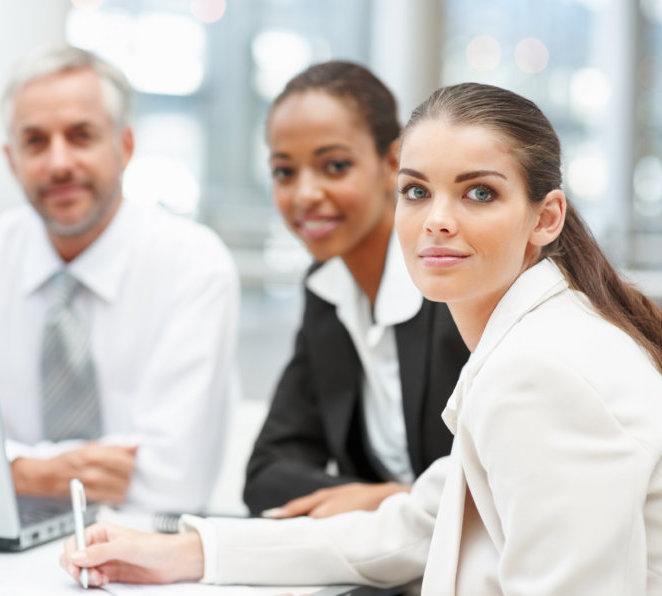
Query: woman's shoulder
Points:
[568, 329]
[564, 347]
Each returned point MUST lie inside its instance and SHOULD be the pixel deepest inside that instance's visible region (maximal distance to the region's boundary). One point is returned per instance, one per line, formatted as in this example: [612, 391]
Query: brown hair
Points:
[537, 148]
[347, 80]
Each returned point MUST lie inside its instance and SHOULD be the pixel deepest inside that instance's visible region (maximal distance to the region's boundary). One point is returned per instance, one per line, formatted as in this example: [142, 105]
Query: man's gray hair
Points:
[43, 62]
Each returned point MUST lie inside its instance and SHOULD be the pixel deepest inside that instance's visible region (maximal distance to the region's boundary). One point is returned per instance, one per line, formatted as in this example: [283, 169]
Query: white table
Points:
[36, 572]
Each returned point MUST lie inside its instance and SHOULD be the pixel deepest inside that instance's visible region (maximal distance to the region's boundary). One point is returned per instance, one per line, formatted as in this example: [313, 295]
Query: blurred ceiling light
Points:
[107, 32]
[208, 11]
[142, 46]
[162, 180]
[161, 66]
[589, 93]
[483, 53]
[648, 185]
[652, 9]
[587, 177]
[88, 4]
[531, 55]
[278, 55]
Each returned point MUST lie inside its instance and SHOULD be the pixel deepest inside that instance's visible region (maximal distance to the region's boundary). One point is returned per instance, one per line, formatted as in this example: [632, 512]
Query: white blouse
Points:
[373, 336]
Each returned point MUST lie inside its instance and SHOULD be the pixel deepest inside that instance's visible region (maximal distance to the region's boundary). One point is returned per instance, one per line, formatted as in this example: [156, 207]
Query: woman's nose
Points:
[441, 217]
[309, 189]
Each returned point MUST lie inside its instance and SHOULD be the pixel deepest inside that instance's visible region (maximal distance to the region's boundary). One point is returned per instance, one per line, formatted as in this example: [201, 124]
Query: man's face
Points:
[67, 153]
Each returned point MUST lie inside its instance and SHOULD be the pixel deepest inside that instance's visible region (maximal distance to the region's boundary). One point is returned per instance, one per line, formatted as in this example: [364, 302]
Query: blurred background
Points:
[205, 71]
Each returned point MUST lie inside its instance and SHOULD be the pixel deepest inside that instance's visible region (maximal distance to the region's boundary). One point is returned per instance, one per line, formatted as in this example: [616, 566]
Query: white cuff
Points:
[188, 523]
[42, 450]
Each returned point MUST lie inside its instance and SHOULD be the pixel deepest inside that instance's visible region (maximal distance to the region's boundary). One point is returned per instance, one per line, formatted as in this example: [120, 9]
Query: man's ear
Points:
[10, 157]
[128, 145]
[550, 217]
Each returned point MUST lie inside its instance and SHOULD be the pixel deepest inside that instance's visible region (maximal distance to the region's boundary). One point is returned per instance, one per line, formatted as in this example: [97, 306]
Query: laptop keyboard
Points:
[33, 510]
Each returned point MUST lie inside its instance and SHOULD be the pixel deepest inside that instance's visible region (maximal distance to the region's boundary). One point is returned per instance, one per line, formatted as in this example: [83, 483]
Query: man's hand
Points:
[117, 554]
[104, 470]
[338, 499]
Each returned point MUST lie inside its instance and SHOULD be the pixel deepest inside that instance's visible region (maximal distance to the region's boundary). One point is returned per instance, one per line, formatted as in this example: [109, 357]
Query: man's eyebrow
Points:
[478, 174]
[29, 129]
[34, 128]
[414, 173]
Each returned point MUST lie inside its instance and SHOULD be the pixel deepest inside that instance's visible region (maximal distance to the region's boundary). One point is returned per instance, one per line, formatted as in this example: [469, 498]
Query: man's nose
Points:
[60, 158]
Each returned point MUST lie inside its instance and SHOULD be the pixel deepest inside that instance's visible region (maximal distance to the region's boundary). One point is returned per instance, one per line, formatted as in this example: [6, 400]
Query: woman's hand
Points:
[338, 499]
[117, 554]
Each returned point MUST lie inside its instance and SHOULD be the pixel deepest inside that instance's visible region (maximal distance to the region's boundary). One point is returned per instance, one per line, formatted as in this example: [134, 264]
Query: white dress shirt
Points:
[373, 335]
[160, 298]
[553, 487]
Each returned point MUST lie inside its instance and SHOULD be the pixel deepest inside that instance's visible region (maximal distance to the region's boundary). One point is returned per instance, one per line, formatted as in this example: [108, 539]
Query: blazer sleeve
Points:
[382, 548]
[291, 453]
[567, 480]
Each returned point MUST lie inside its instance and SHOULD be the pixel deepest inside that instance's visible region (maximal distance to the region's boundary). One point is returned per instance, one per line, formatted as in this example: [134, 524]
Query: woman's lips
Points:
[316, 229]
[441, 257]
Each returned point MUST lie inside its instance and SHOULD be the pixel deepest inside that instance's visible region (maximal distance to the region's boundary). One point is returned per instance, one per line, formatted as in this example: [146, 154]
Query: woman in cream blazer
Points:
[554, 483]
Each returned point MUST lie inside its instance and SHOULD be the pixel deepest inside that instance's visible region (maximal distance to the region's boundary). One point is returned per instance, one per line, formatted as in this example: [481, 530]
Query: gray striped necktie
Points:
[70, 397]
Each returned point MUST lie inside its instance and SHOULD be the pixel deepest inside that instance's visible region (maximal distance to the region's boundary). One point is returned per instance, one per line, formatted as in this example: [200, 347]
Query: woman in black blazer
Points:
[360, 393]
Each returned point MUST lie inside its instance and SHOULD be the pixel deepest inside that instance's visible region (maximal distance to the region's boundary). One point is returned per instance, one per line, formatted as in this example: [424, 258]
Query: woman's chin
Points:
[437, 295]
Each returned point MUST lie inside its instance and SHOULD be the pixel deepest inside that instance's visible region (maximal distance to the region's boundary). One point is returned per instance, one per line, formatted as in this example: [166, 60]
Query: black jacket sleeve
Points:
[291, 453]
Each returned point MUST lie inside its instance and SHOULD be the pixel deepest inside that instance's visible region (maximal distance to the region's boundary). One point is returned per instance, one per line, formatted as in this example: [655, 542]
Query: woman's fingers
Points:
[300, 506]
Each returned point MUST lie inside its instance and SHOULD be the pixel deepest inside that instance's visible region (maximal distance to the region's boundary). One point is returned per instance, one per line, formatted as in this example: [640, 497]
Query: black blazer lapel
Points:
[413, 338]
[337, 374]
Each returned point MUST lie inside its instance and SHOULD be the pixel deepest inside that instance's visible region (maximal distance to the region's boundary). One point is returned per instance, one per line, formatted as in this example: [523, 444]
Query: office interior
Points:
[204, 72]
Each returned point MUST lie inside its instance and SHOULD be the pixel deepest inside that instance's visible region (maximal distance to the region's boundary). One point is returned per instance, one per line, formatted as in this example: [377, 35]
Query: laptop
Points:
[29, 521]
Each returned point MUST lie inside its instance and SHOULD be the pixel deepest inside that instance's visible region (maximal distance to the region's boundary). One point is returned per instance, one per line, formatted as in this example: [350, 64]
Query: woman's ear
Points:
[391, 162]
[550, 217]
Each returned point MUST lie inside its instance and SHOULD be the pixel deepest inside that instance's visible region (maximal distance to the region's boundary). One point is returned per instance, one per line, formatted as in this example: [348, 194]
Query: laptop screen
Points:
[9, 522]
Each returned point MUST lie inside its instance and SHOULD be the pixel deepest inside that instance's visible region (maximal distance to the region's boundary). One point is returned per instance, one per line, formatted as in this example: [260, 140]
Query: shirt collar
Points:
[398, 299]
[533, 287]
[99, 267]
[41, 260]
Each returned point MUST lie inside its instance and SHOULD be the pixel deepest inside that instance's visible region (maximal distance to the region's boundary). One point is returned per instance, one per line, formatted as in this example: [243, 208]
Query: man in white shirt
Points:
[118, 320]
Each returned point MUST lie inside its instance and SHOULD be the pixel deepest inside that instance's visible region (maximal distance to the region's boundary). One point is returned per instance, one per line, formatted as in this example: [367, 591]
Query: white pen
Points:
[79, 504]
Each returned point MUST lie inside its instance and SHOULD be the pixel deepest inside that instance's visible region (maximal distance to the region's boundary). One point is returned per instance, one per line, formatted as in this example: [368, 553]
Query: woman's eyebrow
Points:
[414, 173]
[478, 174]
[328, 148]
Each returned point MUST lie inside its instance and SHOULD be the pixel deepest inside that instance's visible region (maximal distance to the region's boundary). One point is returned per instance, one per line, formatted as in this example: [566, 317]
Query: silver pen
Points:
[79, 504]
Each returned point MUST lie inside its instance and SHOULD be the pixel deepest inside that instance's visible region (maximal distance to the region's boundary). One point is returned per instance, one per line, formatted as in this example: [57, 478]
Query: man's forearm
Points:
[34, 477]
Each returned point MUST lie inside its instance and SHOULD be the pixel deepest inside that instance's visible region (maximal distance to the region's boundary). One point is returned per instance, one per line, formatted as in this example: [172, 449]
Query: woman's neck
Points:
[367, 259]
[471, 317]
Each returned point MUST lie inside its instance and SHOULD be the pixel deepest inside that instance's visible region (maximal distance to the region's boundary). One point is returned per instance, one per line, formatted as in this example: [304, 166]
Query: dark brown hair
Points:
[355, 83]
[537, 148]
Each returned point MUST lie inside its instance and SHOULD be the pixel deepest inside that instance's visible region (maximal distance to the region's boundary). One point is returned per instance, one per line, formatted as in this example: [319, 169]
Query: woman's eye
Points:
[414, 193]
[337, 166]
[281, 173]
[481, 194]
